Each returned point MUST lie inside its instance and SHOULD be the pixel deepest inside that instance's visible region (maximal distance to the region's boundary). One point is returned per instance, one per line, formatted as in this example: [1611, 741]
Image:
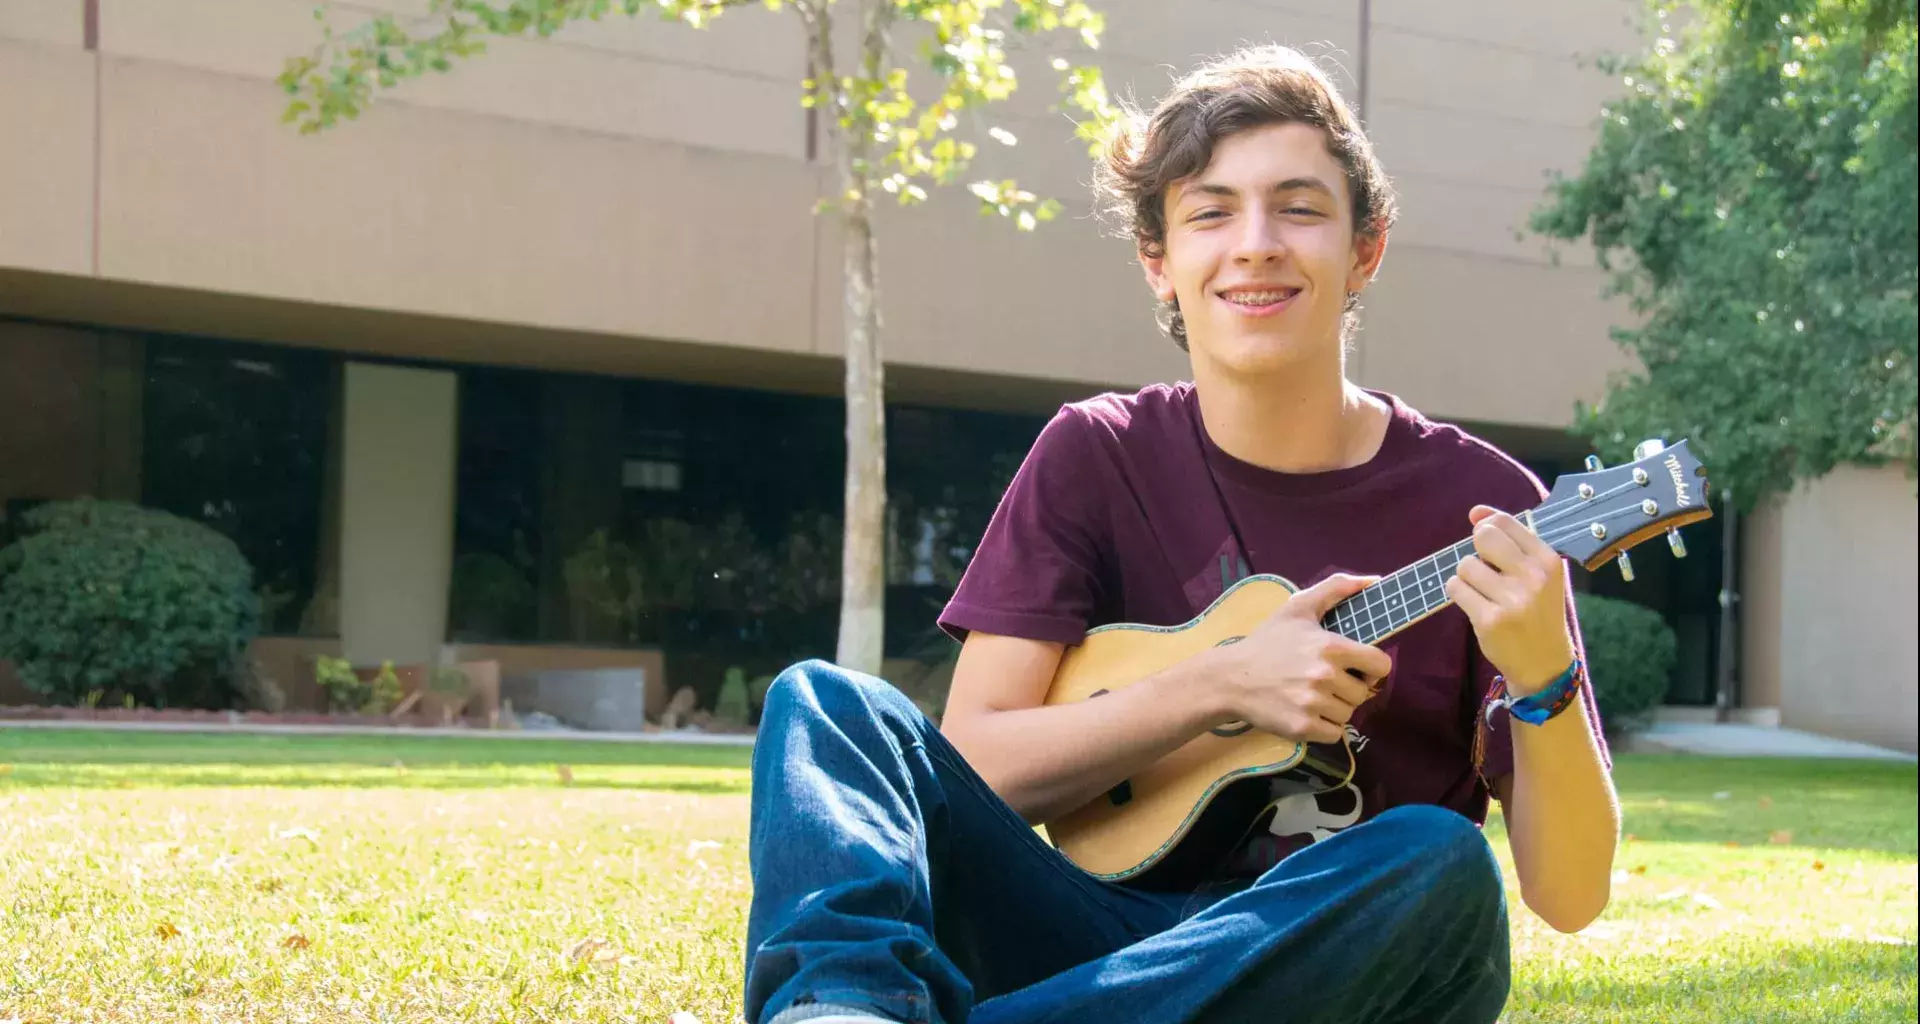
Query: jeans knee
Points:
[815, 689]
[1446, 846]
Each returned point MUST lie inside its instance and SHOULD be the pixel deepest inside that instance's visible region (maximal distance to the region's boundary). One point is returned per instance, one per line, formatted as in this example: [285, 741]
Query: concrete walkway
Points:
[1732, 739]
[397, 732]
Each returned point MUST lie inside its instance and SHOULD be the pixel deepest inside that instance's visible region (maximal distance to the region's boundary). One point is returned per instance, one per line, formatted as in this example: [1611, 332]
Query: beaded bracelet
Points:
[1536, 708]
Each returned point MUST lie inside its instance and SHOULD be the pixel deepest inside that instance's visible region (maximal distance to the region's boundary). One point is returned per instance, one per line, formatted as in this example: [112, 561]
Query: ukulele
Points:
[1170, 823]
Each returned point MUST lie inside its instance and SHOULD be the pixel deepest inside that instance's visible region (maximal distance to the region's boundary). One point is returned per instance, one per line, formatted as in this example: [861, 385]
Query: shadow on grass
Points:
[125, 760]
[1835, 980]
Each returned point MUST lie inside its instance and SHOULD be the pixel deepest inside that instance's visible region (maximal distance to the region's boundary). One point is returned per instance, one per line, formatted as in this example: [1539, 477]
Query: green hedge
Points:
[105, 601]
[1631, 652]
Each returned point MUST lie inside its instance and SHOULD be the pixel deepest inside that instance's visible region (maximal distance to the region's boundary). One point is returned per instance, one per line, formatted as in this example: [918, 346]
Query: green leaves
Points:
[1631, 652]
[1753, 193]
[898, 144]
[114, 600]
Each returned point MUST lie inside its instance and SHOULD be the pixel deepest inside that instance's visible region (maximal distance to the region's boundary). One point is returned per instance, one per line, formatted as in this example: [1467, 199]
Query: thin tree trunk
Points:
[861, 643]
[862, 558]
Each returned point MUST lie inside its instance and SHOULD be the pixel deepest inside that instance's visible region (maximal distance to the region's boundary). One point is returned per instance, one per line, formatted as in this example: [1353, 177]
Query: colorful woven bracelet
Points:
[1536, 708]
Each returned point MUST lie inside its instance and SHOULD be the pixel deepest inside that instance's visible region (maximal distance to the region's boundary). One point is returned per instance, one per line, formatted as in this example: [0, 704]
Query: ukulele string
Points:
[1547, 514]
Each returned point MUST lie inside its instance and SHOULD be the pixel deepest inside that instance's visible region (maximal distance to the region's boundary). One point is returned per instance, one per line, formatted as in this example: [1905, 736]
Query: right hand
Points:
[1294, 679]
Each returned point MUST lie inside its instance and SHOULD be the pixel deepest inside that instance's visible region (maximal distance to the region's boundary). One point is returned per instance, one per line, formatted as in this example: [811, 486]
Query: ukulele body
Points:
[1172, 821]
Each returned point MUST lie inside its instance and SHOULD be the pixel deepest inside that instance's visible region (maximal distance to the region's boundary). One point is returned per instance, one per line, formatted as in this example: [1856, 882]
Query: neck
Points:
[1307, 418]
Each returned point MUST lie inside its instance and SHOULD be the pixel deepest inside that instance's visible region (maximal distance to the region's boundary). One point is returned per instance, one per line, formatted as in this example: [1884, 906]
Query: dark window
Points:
[237, 437]
[704, 521]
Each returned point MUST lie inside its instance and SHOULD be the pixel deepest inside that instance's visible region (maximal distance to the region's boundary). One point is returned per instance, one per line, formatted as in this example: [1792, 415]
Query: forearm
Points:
[1563, 819]
[1047, 760]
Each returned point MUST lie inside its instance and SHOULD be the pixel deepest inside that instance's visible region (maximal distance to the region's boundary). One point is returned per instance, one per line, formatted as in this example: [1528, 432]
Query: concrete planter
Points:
[606, 699]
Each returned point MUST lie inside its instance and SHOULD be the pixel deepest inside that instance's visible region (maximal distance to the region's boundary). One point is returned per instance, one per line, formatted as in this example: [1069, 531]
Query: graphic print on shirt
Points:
[1316, 816]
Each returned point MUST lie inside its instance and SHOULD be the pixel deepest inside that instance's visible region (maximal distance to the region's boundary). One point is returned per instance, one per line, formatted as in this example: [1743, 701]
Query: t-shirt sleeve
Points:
[1524, 492]
[1038, 569]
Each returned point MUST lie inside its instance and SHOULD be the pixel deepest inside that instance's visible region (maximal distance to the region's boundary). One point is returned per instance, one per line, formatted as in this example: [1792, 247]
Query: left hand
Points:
[1514, 591]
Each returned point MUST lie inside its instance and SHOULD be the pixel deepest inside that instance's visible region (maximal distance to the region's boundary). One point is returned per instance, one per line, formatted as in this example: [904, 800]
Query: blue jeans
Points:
[889, 878]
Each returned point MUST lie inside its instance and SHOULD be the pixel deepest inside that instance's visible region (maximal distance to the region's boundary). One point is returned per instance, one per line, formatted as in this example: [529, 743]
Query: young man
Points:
[897, 877]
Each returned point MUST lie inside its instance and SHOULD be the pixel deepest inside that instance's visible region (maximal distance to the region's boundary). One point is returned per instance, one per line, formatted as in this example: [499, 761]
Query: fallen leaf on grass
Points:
[1698, 897]
[1783, 837]
[592, 951]
[1638, 869]
[166, 930]
[269, 885]
[1731, 845]
[1819, 865]
[1766, 803]
[6, 769]
[565, 773]
[295, 941]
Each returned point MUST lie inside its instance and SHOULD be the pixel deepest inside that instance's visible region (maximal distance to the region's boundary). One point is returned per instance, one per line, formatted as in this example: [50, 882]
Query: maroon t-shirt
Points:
[1115, 517]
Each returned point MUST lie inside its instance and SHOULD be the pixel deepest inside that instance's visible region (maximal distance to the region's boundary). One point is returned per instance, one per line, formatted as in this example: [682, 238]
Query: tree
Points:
[1753, 194]
[883, 140]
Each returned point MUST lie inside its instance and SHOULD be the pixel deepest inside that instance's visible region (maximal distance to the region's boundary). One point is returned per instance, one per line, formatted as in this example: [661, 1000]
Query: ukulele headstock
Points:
[1593, 516]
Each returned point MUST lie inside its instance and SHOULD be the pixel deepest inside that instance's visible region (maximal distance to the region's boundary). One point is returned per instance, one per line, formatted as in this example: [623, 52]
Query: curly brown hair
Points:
[1250, 88]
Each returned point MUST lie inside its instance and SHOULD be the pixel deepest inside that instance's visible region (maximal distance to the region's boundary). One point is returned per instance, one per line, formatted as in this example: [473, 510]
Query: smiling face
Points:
[1260, 251]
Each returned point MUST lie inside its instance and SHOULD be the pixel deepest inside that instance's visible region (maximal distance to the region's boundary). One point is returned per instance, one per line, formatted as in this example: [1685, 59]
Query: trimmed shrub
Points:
[732, 707]
[105, 601]
[1631, 653]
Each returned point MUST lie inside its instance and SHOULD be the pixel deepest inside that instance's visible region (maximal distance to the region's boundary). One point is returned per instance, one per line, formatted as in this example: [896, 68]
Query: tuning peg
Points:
[1679, 546]
[1651, 446]
[1626, 567]
[1594, 465]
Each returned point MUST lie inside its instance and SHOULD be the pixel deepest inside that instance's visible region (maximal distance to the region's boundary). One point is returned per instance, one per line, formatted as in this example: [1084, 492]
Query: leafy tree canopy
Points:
[1753, 194]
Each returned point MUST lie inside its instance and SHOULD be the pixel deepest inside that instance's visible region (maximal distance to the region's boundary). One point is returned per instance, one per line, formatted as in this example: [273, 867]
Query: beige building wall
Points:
[638, 179]
[1830, 605]
[396, 512]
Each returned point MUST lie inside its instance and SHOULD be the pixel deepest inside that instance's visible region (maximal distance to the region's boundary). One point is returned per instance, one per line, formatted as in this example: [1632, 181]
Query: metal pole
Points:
[1726, 681]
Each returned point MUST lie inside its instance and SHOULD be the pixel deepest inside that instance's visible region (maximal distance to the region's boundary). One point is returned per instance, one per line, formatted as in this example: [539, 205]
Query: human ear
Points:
[1158, 279]
[1369, 249]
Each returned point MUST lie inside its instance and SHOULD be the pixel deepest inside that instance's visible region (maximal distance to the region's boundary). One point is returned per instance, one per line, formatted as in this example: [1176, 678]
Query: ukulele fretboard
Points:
[1398, 600]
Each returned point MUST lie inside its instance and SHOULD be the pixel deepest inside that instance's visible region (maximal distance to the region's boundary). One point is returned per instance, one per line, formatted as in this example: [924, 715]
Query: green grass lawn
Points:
[161, 878]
